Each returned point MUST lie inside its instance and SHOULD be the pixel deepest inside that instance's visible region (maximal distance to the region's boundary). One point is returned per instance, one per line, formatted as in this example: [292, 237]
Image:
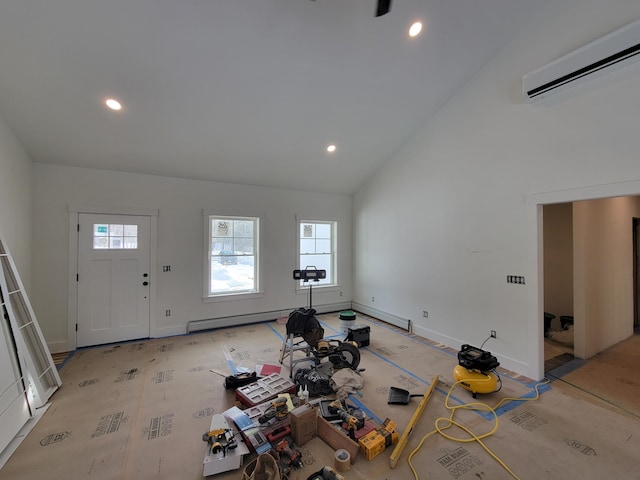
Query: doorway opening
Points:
[636, 275]
[558, 285]
[603, 290]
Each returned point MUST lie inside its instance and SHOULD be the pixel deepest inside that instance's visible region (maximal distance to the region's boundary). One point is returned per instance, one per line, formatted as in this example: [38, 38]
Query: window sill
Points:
[233, 296]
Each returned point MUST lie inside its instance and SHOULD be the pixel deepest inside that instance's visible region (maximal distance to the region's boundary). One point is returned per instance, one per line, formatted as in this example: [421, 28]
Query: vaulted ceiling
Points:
[240, 91]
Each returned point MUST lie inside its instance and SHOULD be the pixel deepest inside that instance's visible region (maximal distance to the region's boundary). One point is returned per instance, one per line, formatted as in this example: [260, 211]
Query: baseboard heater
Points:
[236, 320]
[404, 323]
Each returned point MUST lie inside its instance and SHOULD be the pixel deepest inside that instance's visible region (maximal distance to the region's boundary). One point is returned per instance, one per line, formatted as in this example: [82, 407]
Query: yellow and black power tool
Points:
[354, 419]
[220, 440]
[278, 410]
[476, 370]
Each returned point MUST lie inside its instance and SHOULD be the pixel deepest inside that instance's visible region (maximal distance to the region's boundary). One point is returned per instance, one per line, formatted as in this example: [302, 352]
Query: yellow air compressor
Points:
[476, 370]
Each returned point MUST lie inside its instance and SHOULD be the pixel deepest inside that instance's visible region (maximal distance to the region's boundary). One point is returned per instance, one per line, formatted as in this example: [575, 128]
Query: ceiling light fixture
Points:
[331, 148]
[113, 104]
[415, 29]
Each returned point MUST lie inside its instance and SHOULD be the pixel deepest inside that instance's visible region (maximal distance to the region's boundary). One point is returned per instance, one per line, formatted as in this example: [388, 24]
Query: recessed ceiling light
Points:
[331, 148]
[113, 104]
[415, 29]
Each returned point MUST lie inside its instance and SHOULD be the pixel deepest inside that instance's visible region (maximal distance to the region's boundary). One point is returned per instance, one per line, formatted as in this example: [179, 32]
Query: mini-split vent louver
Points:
[609, 53]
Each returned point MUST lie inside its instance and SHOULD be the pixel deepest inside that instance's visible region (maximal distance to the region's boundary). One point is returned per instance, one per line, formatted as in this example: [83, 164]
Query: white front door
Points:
[113, 278]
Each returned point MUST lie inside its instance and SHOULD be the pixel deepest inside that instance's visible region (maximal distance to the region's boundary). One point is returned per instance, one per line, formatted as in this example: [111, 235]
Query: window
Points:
[317, 248]
[233, 255]
[115, 237]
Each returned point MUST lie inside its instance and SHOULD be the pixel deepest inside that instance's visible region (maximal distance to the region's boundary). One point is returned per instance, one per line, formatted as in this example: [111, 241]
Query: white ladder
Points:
[39, 374]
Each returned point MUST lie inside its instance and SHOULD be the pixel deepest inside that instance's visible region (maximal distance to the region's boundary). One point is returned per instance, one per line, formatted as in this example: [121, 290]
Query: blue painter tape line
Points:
[362, 407]
[66, 359]
[515, 404]
[232, 367]
[326, 326]
[385, 359]
[275, 331]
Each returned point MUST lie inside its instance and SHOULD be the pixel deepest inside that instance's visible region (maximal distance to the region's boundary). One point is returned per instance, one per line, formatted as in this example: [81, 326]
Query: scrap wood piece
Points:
[336, 439]
[395, 455]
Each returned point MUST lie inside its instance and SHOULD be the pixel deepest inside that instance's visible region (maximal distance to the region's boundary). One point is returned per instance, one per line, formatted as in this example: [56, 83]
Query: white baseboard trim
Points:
[236, 320]
[59, 347]
[505, 362]
[403, 323]
[171, 331]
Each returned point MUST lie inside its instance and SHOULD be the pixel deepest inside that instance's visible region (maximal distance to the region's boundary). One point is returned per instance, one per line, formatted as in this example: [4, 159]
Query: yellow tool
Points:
[395, 455]
[476, 381]
[220, 440]
[476, 370]
[354, 422]
[277, 410]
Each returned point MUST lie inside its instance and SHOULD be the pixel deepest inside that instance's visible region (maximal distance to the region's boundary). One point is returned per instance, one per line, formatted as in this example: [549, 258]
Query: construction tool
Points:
[220, 440]
[395, 455]
[354, 419]
[400, 396]
[231, 382]
[476, 370]
[277, 410]
[289, 457]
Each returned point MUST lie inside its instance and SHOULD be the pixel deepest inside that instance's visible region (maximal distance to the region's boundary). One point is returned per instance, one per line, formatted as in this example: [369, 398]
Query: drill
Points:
[354, 421]
[220, 440]
[289, 457]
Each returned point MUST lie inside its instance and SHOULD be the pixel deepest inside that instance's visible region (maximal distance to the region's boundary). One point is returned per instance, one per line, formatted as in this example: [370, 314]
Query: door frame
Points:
[535, 259]
[72, 302]
[636, 273]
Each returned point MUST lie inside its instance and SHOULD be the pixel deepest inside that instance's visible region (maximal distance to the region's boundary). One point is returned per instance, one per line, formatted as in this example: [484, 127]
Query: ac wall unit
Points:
[609, 53]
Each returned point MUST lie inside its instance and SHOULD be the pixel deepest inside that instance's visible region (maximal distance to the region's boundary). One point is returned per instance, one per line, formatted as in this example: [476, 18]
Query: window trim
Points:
[257, 292]
[334, 254]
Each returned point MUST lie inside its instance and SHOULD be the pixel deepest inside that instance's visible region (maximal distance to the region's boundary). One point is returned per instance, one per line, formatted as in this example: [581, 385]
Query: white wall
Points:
[15, 201]
[454, 198]
[180, 241]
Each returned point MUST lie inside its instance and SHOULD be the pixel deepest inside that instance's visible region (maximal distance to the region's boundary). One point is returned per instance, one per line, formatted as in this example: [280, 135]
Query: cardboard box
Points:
[375, 442]
[372, 444]
[304, 424]
[336, 438]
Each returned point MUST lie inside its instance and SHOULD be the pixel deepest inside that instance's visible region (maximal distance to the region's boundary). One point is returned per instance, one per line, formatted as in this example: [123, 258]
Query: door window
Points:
[115, 236]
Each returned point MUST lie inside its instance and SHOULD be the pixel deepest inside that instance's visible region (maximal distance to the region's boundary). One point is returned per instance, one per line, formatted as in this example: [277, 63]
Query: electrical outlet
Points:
[493, 334]
[373, 299]
[167, 313]
[425, 314]
[340, 293]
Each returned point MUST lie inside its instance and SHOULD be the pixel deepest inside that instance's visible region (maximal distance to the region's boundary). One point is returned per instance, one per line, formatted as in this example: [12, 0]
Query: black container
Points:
[359, 334]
